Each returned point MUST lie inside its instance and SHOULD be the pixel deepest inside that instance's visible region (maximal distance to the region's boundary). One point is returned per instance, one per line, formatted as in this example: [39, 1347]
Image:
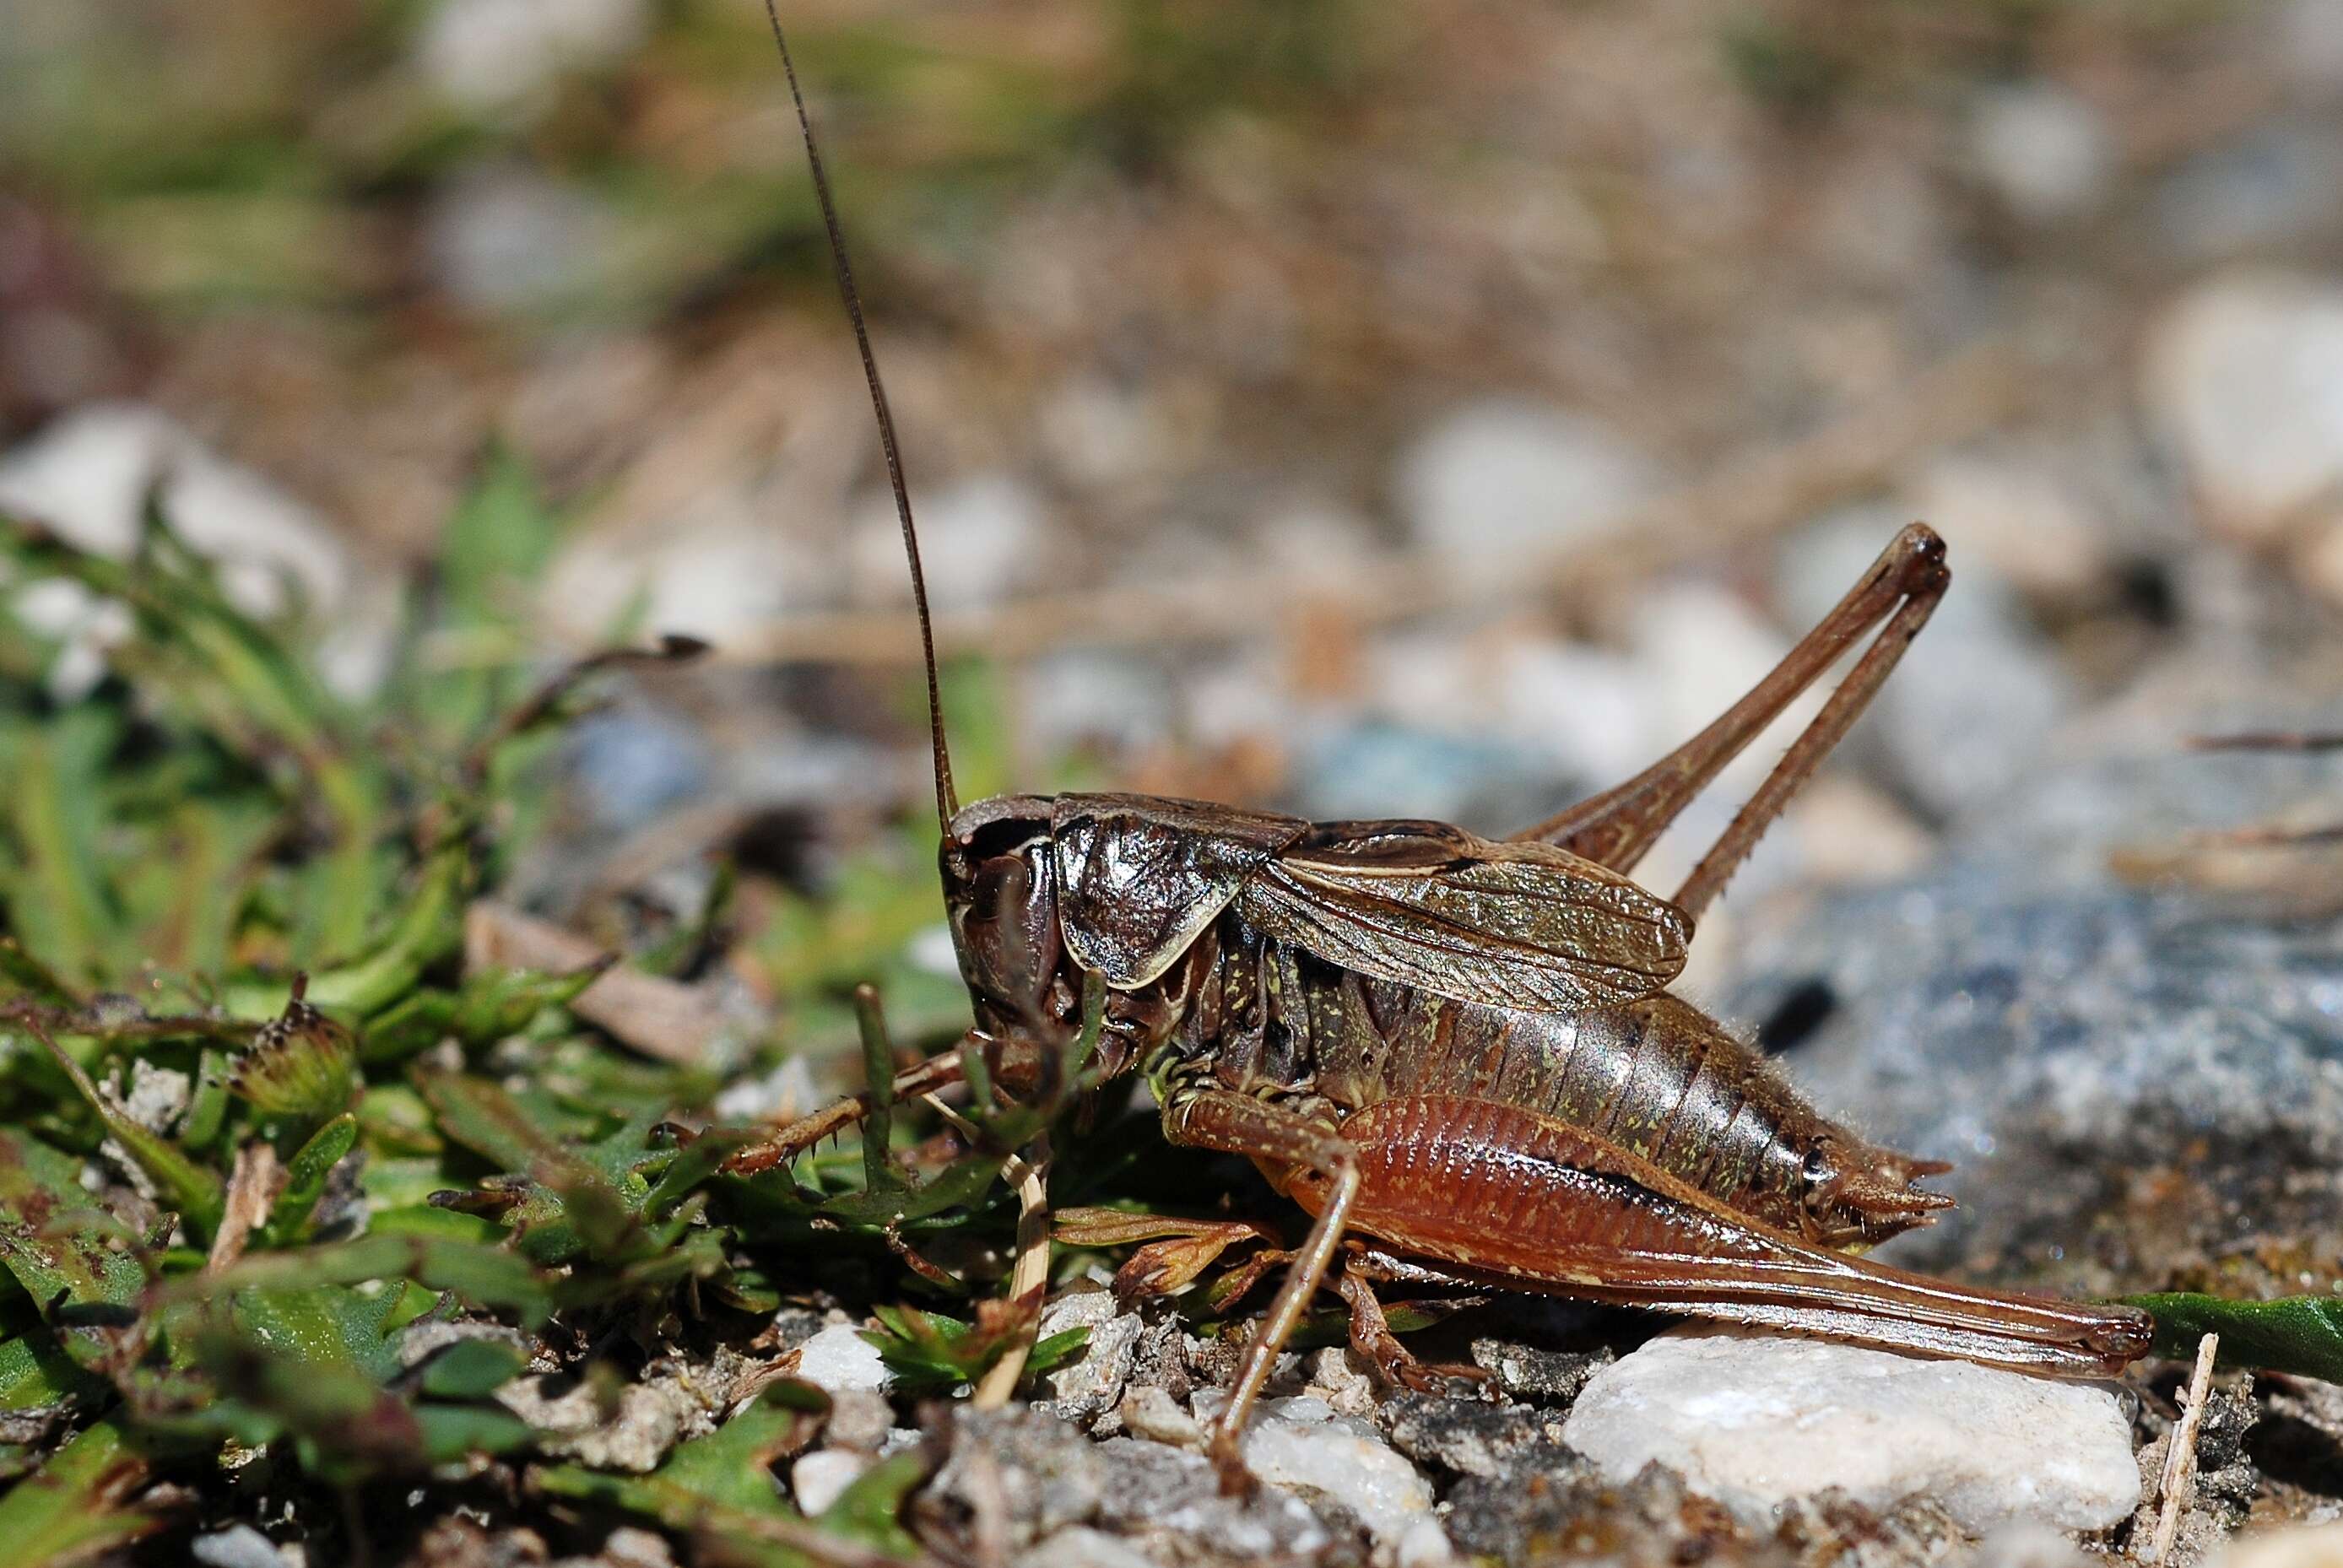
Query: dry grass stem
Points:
[2178, 1483]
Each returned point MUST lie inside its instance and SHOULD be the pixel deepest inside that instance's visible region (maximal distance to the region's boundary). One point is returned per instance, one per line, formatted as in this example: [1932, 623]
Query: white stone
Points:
[1706, 647]
[717, 570]
[2311, 44]
[2045, 151]
[839, 1358]
[2244, 378]
[1301, 1443]
[1757, 1420]
[1585, 710]
[2024, 1543]
[86, 476]
[1498, 485]
[2304, 1546]
[1080, 1546]
[494, 55]
[2016, 517]
[238, 1546]
[157, 1095]
[816, 1478]
[1150, 1411]
[1337, 1375]
[1082, 696]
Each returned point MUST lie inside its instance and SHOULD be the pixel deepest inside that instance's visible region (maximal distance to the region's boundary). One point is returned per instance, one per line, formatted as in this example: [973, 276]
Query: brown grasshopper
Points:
[1462, 1052]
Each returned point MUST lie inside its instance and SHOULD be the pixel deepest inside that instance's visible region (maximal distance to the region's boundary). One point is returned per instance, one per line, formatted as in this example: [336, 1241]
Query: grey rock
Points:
[651, 1417]
[859, 1419]
[631, 763]
[1545, 1493]
[2272, 184]
[1158, 1493]
[1470, 1436]
[1390, 770]
[1529, 1372]
[1091, 1386]
[2019, 1013]
[1036, 1471]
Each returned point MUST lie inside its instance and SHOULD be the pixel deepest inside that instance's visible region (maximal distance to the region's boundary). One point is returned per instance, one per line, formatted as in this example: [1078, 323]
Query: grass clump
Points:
[288, 1177]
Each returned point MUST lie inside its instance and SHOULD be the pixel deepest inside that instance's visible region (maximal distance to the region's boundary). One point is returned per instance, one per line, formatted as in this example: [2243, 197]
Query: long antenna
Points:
[947, 803]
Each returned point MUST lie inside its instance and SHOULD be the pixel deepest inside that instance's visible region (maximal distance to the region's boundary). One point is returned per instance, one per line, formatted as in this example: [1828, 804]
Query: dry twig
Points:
[252, 1187]
[2178, 1484]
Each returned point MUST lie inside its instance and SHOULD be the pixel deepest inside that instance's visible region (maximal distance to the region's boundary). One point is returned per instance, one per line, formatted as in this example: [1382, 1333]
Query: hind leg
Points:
[1616, 827]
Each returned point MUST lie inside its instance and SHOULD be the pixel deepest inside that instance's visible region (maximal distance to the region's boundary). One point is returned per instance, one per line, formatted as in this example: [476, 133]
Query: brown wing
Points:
[1139, 876]
[1424, 904]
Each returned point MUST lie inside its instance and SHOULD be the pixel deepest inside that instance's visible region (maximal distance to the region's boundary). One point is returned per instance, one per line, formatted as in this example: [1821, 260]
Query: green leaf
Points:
[61, 1248]
[305, 1177]
[472, 1369]
[2298, 1334]
[486, 1276]
[932, 1353]
[69, 1510]
[60, 901]
[733, 1464]
[490, 1006]
[35, 1373]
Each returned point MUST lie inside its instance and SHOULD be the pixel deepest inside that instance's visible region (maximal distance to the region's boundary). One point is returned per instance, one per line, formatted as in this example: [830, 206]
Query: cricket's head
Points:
[1001, 896]
[1855, 1194]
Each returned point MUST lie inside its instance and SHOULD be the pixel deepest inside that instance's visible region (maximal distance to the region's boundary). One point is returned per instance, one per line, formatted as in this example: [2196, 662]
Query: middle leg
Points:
[1275, 1136]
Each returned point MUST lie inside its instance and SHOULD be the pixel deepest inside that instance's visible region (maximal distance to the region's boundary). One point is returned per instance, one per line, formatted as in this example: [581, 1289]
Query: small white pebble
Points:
[1755, 1420]
[816, 1478]
[1301, 1443]
[1153, 1414]
[839, 1358]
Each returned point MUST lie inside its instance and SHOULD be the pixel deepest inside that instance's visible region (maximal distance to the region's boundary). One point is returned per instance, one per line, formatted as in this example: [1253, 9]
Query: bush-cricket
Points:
[1462, 1053]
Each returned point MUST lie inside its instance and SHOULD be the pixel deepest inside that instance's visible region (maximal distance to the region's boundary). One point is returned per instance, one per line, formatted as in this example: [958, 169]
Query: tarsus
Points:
[947, 804]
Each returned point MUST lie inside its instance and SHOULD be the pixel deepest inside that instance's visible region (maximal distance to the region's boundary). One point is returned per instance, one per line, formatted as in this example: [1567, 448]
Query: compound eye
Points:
[1819, 1175]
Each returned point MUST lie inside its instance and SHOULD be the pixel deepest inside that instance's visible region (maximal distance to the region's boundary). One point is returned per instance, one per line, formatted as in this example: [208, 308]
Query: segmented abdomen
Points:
[1655, 1077]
